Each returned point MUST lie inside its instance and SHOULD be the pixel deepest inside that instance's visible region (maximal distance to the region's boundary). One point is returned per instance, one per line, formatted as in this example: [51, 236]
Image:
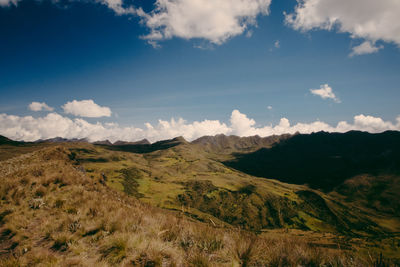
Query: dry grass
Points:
[53, 214]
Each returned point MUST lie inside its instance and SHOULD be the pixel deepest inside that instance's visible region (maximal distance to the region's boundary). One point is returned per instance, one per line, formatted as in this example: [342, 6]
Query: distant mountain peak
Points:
[140, 142]
[104, 142]
[180, 139]
[61, 140]
[234, 143]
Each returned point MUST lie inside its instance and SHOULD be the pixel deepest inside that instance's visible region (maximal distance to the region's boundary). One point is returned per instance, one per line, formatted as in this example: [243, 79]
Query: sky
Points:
[157, 69]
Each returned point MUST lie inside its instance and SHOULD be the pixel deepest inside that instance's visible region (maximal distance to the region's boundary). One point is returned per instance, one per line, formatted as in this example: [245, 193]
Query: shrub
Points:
[10, 262]
[37, 172]
[24, 180]
[59, 203]
[40, 192]
[115, 251]
[247, 189]
[144, 260]
[244, 248]
[199, 260]
[36, 203]
[208, 241]
[60, 244]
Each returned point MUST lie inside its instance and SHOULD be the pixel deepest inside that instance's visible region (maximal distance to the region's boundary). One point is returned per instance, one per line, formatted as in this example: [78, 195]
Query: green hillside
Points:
[183, 176]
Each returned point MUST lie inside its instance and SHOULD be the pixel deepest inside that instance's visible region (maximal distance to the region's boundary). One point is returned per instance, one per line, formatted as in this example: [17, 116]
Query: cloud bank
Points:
[213, 20]
[86, 108]
[369, 20]
[217, 21]
[37, 106]
[52, 125]
[325, 92]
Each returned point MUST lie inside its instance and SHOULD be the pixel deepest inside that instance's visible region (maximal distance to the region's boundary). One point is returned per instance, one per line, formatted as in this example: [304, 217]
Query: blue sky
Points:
[80, 50]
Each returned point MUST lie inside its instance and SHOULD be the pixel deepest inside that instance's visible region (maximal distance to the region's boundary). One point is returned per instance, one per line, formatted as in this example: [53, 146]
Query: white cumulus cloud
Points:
[39, 106]
[213, 20]
[52, 125]
[86, 108]
[370, 20]
[118, 7]
[366, 47]
[243, 126]
[325, 92]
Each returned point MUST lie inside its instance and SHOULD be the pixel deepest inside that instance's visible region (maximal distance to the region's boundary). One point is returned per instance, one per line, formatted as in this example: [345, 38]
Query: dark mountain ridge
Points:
[144, 146]
[324, 160]
[4, 140]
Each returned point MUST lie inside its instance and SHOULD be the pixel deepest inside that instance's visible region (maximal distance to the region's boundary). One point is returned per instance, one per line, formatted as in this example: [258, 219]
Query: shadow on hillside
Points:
[5, 141]
[144, 148]
[10, 148]
[324, 160]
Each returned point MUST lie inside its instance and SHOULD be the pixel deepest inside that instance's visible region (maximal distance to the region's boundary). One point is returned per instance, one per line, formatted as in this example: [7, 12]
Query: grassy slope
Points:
[184, 177]
[52, 213]
[10, 150]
